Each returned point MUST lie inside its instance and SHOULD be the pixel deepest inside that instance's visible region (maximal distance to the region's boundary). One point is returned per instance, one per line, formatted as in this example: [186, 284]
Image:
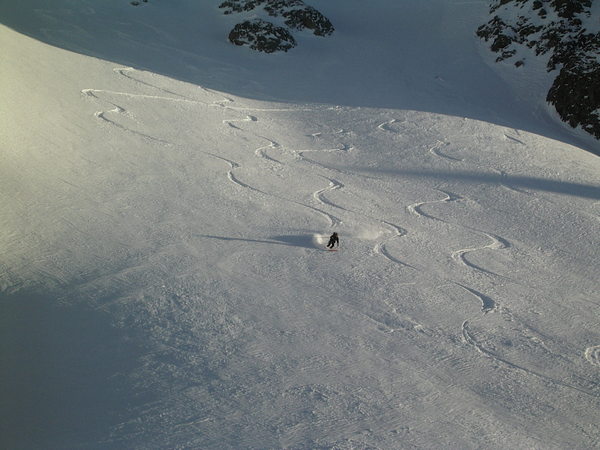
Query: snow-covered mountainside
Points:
[166, 198]
[566, 34]
[268, 25]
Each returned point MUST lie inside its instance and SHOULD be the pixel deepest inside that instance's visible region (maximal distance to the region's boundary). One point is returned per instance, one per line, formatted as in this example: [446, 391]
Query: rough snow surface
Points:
[164, 282]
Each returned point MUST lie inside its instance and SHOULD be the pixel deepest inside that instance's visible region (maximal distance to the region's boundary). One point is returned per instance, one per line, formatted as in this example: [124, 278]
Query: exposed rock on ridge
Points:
[566, 33]
[266, 36]
[261, 35]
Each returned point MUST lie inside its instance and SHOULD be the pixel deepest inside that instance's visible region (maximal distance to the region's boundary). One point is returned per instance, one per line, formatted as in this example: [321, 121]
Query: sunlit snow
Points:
[166, 198]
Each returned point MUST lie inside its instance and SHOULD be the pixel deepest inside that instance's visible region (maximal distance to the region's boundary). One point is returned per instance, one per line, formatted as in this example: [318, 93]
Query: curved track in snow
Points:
[417, 208]
[592, 354]
[470, 339]
[497, 243]
[436, 151]
[224, 103]
[321, 197]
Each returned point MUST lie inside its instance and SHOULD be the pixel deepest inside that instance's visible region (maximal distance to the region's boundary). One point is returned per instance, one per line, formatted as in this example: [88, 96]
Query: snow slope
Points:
[163, 282]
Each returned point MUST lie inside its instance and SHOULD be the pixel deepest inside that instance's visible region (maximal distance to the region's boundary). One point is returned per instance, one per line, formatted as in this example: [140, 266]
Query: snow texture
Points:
[166, 198]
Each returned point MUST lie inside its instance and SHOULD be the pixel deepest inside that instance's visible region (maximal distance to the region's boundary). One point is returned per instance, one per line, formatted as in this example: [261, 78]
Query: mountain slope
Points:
[566, 34]
[163, 279]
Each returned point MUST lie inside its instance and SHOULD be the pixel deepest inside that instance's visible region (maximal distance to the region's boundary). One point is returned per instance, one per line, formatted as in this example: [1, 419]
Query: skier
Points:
[333, 240]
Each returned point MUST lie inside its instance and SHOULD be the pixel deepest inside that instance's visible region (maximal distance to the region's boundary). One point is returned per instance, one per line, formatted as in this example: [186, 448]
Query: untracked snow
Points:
[165, 202]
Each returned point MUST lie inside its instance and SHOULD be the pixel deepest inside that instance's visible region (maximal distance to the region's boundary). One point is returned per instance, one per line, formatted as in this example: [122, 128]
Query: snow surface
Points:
[166, 197]
[532, 81]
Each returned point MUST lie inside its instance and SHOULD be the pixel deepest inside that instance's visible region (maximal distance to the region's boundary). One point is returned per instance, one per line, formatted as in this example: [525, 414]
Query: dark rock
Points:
[263, 36]
[575, 92]
[576, 96]
[277, 7]
[308, 18]
[568, 8]
[238, 6]
[295, 14]
[501, 42]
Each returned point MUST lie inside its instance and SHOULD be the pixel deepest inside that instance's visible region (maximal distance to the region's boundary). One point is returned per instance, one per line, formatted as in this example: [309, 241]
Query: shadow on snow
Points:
[354, 67]
[518, 182]
[303, 240]
[63, 376]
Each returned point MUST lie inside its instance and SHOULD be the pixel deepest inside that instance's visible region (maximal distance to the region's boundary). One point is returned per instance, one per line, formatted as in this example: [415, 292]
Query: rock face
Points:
[264, 35]
[563, 31]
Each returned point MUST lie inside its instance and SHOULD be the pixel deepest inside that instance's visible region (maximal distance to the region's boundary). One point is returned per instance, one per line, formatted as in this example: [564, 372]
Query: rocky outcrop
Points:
[261, 35]
[576, 96]
[561, 31]
[308, 18]
[264, 35]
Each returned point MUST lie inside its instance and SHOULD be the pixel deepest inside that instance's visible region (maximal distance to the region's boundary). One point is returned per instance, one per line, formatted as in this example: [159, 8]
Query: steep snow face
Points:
[564, 35]
[379, 56]
[163, 281]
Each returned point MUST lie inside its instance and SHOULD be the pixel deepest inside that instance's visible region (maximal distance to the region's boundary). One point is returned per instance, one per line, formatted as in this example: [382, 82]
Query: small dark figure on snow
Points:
[333, 240]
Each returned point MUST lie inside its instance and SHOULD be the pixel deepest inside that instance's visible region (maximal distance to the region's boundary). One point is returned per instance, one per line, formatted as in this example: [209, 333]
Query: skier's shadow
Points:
[292, 240]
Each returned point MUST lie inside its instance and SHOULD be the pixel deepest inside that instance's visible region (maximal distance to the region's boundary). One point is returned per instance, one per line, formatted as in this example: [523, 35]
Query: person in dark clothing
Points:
[333, 240]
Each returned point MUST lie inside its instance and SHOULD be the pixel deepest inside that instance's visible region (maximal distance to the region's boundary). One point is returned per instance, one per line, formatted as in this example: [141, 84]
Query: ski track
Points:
[319, 195]
[330, 218]
[592, 354]
[230, 176]
[171, 96]
[497, 243]
[513, 139]
[381, 247]
[261, 152]
[320, 133]
[385, 126]
[344, 148]
[416, 208]
[333, 185]
[435, 150]
[391, 323]
[487, 303]
[504, 176]
[126, 72]
[300, 154]
[119, 110]
[94, 92]
[248, 118]
[469, 339]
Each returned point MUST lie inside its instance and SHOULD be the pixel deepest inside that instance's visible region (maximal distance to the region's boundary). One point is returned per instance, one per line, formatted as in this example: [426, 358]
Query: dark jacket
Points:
[333, 240]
